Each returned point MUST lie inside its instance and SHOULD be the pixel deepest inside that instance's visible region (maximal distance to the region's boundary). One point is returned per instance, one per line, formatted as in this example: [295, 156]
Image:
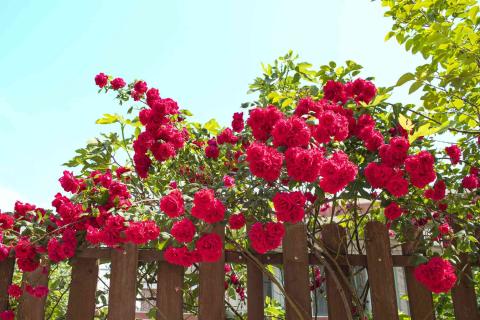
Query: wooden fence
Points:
[295, 260]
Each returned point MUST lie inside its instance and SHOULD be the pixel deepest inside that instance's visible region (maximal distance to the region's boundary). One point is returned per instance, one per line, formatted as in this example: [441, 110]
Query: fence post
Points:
[211, 298]
[83, 287]
[295, 263]
[30, 307]
[335, 240]
[255, 301]
[419, 298]
[463, 294]
[6, 273]
[169, 291]
[380, 272]
[123, 281]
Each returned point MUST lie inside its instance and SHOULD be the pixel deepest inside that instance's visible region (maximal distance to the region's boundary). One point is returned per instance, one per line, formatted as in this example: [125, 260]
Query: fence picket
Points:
[169, 291]
[380, 272]
[123, 280]
[420, 300]
[463, 294]
[211, 298]
[30, 307]
[7, 267]
[335, 240]
[295, 263]
[254, 291]
[83, 286]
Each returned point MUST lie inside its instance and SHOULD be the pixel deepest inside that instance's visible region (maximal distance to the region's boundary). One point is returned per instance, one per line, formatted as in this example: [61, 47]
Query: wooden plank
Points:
[463, 294]
[83, 287]
[170, 291]
[295, 263]
[32, 308]
[211, 298]
[335, 241]
[420, 300]
[123, 281]
[380, 272]
[7, 267]
[232, 256]
[255, 301]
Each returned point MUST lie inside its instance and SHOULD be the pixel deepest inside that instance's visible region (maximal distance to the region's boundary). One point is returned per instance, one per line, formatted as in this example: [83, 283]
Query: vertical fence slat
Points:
[7, 267]
[123, 280]
[335, 239]
[83, 287]
[254, 292]
[463, 294]
[211, 298]
[169, 291]
[295, 261]
[30, 307]
[380, 272]
[420, 300]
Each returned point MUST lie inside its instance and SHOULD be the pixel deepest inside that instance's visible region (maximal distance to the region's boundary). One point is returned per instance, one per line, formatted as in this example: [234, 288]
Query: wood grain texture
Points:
[170, 291]
[30, 307]
[463, 294]
[295, 263]
[255, 301]
[335, 241]
[380, 272]
[420, 300]
[81, 300]
[211, 298]
[7, 267]
[123, 281]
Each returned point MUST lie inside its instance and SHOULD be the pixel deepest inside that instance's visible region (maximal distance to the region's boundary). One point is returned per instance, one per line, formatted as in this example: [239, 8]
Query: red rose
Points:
[14, 291]
[140, 87]
[236, 221]
[262, 120]
[397, 185]
[266, 237]
[393, 211]
[291, 132]
[264, 162]
[117, 83]
[237, 122]
[209, 247]
[69, 183]
[303, 164]
[378, 174]
[101, 79]
[454, 153]
[438, 191]
[173, 204]
[437, 275]
[289, 206]
[183, 230]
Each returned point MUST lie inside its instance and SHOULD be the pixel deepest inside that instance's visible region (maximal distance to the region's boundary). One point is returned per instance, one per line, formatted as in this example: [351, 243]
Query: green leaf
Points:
[109, 118]
[405, 78]
[415, 86]
[212, 126]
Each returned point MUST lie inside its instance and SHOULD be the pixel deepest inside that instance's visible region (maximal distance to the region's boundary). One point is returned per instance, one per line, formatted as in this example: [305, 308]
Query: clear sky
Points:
[201, 53]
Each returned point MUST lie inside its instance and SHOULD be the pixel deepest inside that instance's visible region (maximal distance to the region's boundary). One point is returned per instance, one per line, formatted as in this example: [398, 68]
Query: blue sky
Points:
[201, 53]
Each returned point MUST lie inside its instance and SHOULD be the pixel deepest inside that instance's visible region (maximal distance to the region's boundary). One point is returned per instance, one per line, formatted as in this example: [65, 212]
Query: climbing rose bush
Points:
[174, 184]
